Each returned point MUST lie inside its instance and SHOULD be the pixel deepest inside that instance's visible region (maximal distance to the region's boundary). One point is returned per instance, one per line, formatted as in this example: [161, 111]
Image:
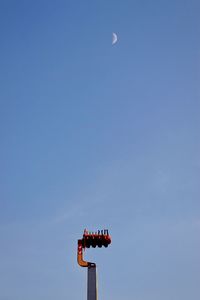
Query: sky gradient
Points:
[100, 136]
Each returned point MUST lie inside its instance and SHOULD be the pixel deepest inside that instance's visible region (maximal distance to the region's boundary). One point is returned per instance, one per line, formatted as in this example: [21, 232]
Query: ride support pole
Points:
[92, 293]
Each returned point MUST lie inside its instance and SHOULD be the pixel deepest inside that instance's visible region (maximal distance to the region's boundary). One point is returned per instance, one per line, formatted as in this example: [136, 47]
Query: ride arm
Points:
[80, 259]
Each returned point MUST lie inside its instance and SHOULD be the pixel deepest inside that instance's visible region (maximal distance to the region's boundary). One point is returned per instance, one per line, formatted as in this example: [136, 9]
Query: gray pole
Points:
[92, 283]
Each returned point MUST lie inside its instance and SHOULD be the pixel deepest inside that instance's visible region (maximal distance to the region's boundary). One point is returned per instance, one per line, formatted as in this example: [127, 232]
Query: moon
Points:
[114, 38]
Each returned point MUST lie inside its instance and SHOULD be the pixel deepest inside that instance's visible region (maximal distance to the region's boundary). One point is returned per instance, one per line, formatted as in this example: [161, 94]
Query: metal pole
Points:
[92, 283]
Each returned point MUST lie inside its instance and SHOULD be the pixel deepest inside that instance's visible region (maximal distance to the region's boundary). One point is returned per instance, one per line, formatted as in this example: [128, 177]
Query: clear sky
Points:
[100, 136]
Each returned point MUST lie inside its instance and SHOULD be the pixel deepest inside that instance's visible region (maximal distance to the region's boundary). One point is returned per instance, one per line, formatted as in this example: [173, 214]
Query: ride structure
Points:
[91, 239]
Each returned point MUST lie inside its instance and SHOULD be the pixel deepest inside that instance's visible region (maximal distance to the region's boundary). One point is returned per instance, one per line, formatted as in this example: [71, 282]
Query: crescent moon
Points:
[114, 38]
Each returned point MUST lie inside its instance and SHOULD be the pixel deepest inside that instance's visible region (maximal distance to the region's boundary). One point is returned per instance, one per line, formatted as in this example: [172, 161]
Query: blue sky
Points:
[100, 136]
